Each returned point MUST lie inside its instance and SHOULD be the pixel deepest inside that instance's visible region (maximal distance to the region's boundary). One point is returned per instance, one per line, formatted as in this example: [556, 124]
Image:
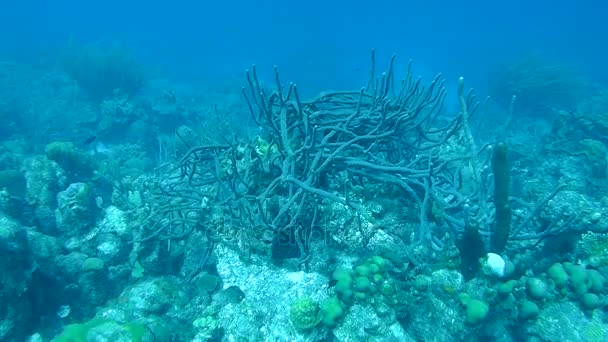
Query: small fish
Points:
[64, 311]
[89, 140]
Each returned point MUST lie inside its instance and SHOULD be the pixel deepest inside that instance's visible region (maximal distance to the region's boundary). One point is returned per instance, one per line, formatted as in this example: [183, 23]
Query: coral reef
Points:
[172, 214]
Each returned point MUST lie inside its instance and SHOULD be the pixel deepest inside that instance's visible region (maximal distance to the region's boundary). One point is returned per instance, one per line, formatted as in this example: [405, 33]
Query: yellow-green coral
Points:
[87, 331]
[304, 313]
[594, 332]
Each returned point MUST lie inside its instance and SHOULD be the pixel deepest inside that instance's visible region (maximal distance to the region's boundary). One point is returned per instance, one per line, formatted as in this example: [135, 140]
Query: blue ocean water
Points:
[318, 41]
[157, 183]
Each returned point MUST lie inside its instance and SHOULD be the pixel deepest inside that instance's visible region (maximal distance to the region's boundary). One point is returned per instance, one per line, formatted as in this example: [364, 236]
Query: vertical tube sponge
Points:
[502, 183]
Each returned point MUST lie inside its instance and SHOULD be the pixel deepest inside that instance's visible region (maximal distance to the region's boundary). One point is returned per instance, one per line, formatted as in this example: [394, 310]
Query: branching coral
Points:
[315, 154]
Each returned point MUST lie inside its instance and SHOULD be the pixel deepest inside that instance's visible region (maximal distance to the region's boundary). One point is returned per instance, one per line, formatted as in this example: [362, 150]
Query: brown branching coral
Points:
[382, 133]
[313, 154]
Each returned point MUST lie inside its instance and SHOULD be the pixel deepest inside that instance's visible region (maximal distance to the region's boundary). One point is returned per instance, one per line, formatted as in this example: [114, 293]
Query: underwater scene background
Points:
[306, 171]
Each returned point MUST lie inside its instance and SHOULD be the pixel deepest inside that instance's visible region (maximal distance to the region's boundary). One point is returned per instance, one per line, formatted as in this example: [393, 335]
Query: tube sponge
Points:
[502, 184]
